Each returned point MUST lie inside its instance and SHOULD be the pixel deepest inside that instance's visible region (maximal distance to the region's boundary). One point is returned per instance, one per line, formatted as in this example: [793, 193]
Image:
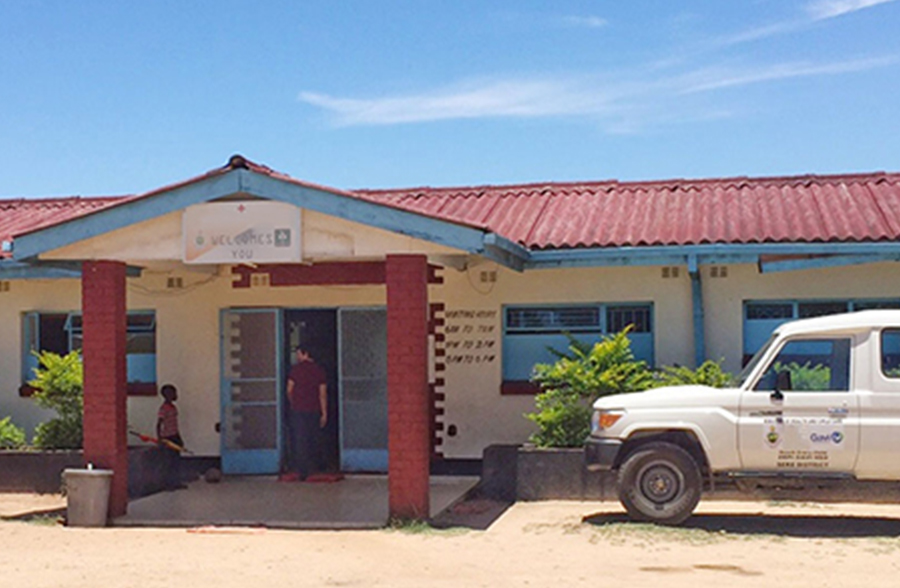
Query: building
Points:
[427, 306]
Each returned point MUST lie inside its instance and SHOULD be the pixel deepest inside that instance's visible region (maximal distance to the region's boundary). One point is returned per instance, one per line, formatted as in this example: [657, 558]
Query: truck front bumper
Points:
[600, 454]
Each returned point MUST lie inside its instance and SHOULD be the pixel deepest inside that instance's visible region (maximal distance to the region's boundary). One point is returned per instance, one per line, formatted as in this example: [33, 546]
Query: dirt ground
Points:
[531, 544]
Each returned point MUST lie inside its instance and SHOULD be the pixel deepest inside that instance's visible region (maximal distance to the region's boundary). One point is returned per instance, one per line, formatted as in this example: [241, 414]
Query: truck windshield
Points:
[745, 373]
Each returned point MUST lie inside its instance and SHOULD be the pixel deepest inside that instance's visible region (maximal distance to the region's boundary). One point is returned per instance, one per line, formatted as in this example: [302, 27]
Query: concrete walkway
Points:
[352, 503]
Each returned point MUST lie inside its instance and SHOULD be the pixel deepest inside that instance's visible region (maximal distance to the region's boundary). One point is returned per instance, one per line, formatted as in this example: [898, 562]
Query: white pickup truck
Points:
[820, 401]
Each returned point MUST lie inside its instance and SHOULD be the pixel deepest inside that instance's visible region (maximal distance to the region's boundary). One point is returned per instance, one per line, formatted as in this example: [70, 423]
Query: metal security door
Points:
[251, 385]
[363, 389]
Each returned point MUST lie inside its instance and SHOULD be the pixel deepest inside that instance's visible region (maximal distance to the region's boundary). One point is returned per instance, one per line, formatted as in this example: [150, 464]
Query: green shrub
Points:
[563, 419]
[11, 436]
[709, 373]
[580, 376]
[58, 433]
[59, 385]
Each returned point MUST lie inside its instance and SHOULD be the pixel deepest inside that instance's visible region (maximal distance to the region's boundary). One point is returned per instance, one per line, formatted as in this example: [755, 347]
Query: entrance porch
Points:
[356, 502]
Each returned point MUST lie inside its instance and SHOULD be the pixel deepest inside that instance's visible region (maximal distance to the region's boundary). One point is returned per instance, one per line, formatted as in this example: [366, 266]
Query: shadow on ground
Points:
[769, 524]
[472, 513]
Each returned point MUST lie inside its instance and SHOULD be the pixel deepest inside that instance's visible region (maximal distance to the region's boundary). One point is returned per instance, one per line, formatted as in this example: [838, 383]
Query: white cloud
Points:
[822, 9]
[757, 33]
[706, 80]
[591, 22]
[623, 100]
[483, 99]
[815, 10]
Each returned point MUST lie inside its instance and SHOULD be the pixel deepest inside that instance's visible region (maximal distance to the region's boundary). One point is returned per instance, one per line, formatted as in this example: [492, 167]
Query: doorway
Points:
[257, 344]
[316, 331]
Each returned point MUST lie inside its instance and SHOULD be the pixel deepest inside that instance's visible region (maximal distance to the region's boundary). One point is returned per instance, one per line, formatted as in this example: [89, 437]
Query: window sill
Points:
[142, 389]
[519, 388]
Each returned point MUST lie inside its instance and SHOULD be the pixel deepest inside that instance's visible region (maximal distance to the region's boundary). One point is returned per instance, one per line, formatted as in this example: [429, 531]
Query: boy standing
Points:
[167, 430]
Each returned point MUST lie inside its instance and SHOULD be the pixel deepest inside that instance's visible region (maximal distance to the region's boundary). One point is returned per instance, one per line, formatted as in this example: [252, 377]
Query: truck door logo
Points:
[773, 435]
[835, 437]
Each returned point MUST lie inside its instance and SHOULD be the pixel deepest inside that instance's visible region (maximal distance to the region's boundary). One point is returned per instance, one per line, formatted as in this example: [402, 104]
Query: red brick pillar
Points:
[103, 349]
[408, 410]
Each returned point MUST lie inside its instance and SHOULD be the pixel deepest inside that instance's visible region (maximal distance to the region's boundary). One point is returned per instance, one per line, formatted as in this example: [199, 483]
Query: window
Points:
[62, 333]
[814, 309]
[890, 353]
[572, 319]
[814, 365]
[530, 332]
[763, 317]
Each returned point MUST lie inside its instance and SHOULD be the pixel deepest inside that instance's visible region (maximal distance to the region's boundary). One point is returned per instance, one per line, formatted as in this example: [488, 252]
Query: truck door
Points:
[802, 414]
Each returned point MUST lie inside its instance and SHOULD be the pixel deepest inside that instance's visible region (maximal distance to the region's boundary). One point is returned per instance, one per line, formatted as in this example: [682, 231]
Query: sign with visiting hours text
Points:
[241, 232]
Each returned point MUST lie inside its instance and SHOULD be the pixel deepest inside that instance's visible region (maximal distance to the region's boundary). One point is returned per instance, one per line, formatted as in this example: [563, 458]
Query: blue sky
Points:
[122, 97]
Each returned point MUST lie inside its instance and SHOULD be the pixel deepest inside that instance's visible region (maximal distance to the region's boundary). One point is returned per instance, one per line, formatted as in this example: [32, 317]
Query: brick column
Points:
[103, 349]
[409, 442]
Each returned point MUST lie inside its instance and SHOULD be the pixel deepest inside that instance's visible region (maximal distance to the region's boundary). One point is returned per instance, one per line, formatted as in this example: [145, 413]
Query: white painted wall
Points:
[473, 400]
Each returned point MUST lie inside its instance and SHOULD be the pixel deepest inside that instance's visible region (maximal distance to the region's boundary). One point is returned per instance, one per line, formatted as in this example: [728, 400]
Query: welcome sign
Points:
[241, 232]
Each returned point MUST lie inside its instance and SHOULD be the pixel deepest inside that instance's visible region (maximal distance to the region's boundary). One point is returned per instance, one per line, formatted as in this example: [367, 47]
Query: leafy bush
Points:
[563, 419]
[709, 373]
[586, 372]
[580, 376]
[58, 433]
[59, 384]
[11, 436]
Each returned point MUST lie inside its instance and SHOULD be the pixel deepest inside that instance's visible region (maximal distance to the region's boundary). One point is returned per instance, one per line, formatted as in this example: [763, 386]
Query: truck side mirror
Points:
[783, 381]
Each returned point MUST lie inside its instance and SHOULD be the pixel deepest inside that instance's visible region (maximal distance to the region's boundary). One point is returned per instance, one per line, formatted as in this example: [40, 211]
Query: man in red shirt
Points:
[307, 394]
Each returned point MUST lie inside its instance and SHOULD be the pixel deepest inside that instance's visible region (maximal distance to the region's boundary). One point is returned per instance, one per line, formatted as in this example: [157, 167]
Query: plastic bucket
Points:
[87, 497]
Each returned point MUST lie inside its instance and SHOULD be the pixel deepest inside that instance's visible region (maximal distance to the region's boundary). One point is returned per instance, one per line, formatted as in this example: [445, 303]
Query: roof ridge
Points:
[61, 199]
[684, 183]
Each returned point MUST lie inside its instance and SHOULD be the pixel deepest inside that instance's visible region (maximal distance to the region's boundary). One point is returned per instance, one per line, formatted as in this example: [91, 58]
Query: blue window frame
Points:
[761, 317]
[529, 332]
[62, 333]
[890, 353]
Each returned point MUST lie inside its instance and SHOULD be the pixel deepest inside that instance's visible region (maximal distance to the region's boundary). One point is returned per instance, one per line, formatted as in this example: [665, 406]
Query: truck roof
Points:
[864, 320]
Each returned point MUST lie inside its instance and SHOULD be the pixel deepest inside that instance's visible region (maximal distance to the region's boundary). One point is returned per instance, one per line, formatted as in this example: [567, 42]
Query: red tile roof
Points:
[861, 207]
[798, 209]
[27, 214]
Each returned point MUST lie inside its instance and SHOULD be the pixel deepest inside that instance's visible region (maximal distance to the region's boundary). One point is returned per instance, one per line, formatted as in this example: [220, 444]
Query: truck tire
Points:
[660, 483]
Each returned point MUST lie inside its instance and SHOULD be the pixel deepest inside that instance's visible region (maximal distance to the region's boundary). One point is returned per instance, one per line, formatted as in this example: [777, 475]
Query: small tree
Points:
[59, 385]
[580, 376]
[11, 436]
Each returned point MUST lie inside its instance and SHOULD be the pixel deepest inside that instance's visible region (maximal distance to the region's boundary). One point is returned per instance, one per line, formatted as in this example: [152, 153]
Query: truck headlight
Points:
[604, 419]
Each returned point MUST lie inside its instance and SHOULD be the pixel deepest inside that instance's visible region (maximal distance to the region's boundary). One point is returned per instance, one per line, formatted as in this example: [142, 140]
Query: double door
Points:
[254, 350]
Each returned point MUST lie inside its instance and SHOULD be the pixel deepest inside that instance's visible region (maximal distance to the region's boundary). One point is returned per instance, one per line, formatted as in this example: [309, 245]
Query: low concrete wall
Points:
[512, 472]
[559, 474]
[41, 471]
[36, 471]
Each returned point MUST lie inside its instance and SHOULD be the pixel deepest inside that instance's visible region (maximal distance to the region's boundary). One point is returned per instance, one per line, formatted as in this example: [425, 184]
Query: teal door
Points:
[363, 389]
[251, 391]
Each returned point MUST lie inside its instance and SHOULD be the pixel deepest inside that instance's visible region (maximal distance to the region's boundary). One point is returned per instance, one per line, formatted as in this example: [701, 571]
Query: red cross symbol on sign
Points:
[242, 208]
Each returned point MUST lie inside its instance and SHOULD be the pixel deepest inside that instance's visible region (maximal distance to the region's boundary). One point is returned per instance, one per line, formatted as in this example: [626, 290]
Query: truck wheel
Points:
[660, 483]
